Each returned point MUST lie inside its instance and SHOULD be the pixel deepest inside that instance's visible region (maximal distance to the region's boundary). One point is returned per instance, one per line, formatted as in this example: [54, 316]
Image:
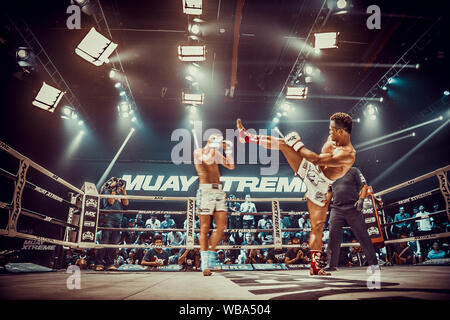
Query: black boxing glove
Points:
[359, 204]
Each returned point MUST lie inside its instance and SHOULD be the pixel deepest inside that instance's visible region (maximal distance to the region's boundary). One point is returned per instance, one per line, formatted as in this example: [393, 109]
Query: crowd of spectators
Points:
[403, 253]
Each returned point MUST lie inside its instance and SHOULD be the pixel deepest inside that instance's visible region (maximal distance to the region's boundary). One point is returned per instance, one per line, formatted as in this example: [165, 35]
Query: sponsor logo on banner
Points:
[276, 224]
[90, 213]
[368, 211]
[49, 194]
[17, 199]
[87, 236]
[234, 184]
[373, 231]
[370, 220]
[4, 146]
[37, 245]
[89, 223]
[91, 203]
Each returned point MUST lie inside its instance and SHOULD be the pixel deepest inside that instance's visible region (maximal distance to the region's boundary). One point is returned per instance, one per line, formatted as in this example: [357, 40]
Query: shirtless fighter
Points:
[318, 171]
[210, 196]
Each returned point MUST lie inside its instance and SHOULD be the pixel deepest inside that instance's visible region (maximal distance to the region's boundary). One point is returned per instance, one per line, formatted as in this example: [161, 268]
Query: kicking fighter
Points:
[318, 171]
[210, 196]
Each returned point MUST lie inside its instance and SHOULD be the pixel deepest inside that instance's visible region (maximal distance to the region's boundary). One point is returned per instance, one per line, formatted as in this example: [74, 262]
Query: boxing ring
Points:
[82, 224]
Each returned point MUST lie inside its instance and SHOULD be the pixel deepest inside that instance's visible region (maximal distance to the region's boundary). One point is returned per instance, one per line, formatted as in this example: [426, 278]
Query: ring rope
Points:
[38, 167]
[34, 187]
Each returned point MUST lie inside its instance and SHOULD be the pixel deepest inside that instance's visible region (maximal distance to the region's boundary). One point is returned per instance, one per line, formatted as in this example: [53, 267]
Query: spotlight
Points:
[390, 80]
[384, 88]
[67, 111]
[358, 120]
[371, 109]
[413, 134]
[122, 93]
[192, 98]
[341, 4]
[133, 119]
[276, 120]
[48, 97]
[373, 117]
[189, 78]
[296, 92]
[112, 74]
[74, 116]
[381, 99]
[446, 93]
[25, 59]
[326, 40]
[441, 118]
[192, 52]
[417, 66]
[278, 115]
[124, 106]
[285, 106]
[308, 79]
[192, 7]
[193, 70]
[95, 48]
[118, 85]
[194, 28]
[309, 70]
[80, 123]
[22, 53]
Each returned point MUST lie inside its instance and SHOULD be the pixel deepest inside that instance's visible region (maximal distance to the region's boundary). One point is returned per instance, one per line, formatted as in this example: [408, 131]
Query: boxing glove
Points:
[294, 141]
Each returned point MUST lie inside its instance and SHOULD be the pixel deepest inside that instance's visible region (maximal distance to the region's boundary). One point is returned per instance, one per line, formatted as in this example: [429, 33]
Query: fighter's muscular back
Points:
[338, 170]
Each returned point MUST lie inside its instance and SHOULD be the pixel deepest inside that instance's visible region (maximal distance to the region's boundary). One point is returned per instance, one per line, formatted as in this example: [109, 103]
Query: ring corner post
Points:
[89, 216]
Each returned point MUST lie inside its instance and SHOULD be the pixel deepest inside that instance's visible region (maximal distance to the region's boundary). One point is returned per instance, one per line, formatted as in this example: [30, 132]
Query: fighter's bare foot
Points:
[244, 136]
[239, 125]
[207, 272]
[319, 272]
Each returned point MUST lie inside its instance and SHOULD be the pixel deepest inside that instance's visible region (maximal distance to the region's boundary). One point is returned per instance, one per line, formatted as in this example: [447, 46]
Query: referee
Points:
[349, 193]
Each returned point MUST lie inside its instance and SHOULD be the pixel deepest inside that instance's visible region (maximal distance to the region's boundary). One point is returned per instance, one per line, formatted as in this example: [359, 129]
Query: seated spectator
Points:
[156, 256]
[242, 257]
[357, 258]
[249, 240]
[255, 256]
[167, 223]
[424, 226]
[175, 238]
[189, 258]
[305, 249]
[266, 237]
[221, 257]
[132, 259]
[403, 253]
[276, 256]
[435, 252]
[285, 223]
[248, 207]
[82, 261]
[295, 255]
[401, 228]
[262, 222]
[153, 223]
[129, 237]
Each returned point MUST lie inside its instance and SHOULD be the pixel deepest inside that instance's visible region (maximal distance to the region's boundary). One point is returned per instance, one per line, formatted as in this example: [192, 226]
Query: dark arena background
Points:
[93, 90]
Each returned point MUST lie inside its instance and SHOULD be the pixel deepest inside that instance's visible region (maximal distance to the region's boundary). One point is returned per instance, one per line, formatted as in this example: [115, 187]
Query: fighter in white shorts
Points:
[210, 196]
[319, 171]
